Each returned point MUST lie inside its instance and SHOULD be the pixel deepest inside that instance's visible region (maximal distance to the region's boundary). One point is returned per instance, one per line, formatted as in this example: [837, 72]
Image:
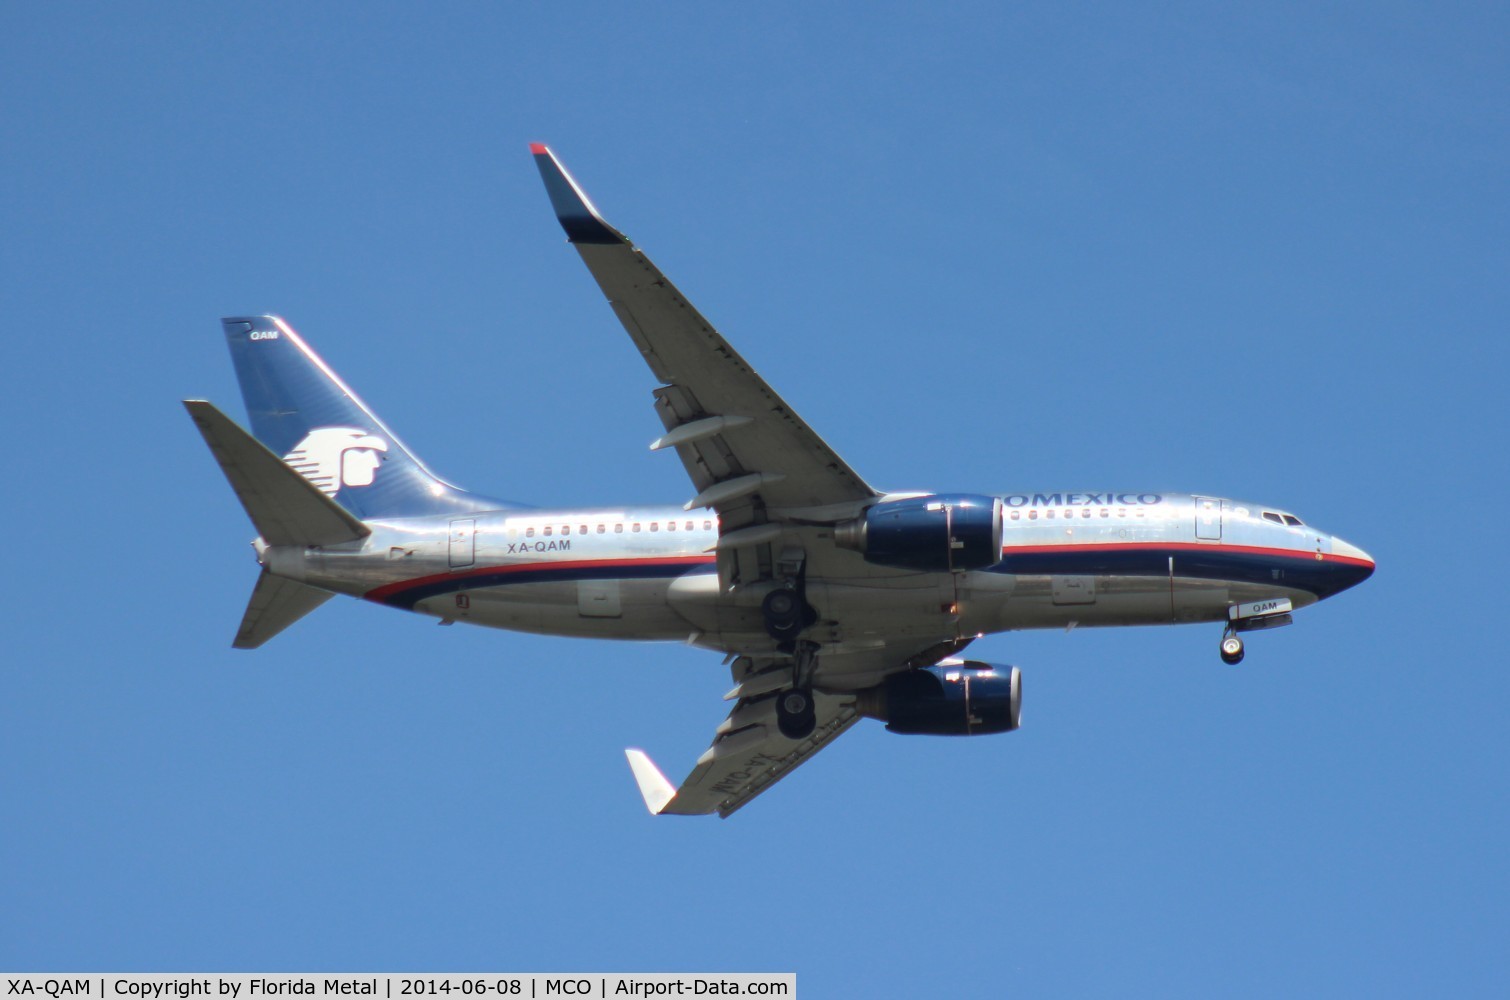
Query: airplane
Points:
[831, 600]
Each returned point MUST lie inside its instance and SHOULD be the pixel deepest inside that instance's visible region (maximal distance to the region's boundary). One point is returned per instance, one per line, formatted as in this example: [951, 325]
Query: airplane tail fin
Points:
[301, 410]
[285, 508]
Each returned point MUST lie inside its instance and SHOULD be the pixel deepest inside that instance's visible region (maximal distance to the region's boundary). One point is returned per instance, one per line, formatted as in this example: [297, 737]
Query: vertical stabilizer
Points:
[302, 411]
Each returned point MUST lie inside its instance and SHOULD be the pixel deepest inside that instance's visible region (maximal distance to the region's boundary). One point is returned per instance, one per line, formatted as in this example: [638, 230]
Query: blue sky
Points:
[1254, 252]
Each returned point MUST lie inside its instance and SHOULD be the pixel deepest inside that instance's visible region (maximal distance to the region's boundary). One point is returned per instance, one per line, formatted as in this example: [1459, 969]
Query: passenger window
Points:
[1048, 513]
[1086, 512]
[601, 529]
[529, 533]
[636, 526]
[655, 526]
[670, 525]
[1121, 511]
[581, 529]
[687, 526]
[1016, 515]
[618, 529]
[1032, 515]
[707, 525]
[547, 531]
[1105, 512]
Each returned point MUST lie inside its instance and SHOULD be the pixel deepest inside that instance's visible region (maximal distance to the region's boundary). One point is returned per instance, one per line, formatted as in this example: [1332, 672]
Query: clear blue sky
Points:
[1252, 251]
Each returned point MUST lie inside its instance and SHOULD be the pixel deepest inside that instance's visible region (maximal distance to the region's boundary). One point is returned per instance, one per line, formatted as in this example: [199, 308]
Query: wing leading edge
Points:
[740, 442]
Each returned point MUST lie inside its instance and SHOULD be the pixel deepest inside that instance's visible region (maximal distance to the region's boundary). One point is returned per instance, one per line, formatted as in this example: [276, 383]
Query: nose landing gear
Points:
[1254, 616]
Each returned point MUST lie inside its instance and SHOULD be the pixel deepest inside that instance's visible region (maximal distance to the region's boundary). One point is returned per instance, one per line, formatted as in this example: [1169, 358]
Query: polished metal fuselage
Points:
[1068, 560]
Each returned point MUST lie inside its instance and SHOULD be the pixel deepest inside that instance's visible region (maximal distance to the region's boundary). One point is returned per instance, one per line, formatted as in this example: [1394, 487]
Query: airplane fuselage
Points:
[1068, 560]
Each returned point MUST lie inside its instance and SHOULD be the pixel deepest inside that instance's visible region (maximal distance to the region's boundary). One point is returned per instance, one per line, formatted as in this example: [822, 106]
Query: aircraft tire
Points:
[786, 614]
[1232, 650]
[796, 715]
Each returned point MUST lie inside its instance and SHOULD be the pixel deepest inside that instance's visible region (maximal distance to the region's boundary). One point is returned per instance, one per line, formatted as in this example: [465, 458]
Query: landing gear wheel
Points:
[786, 614]
[1232, 650]
[780, 603]
[795, 713]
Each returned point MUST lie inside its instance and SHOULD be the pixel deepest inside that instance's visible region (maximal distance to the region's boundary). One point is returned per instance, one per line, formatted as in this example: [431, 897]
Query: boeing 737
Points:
[830, 599]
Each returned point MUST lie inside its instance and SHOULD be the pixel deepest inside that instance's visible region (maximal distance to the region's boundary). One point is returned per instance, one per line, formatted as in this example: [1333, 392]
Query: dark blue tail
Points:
[303, 412]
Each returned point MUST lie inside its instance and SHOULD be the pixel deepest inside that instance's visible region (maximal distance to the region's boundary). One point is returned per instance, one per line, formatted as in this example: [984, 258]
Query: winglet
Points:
[654, 787]
[576, 214]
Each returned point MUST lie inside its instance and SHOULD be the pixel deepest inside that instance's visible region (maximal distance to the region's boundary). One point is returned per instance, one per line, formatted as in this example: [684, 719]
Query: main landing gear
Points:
[787, 615]
[1232, 647]
[786, 611]
[796, 714]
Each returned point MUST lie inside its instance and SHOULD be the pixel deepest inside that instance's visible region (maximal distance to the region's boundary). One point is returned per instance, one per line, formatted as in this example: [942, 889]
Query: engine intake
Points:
[953, 698]
[941, 534]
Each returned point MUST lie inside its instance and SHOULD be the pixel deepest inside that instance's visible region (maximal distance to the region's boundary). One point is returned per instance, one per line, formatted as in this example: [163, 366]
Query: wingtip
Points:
[654, 788]
[573, 209]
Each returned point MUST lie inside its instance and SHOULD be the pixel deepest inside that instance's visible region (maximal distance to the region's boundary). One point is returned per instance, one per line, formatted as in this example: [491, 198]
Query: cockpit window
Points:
[1269, 515]
[1293, 521]
[1286, 519]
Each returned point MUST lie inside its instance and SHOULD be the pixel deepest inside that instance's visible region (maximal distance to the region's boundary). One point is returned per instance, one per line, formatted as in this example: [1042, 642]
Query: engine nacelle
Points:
[952, 698]
[939, 533]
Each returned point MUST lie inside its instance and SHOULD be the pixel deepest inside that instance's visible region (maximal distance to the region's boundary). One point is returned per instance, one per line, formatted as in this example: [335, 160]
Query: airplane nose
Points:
[1354, 566]
[1341, 548]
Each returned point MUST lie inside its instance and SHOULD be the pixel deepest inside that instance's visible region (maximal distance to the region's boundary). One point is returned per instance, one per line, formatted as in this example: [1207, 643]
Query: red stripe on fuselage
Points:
[1174, 547]
[387, 590]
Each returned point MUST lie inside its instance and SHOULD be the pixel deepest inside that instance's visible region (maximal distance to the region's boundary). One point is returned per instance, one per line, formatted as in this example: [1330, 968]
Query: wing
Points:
[750, 456]
[778, 489]
[749, 754]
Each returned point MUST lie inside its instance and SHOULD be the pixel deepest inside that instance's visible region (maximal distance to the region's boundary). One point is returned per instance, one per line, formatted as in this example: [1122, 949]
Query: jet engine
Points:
[941, 533]
[952, 698]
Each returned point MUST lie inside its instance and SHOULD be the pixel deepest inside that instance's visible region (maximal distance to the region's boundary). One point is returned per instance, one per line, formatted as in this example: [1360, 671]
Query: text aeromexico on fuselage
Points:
[833, 601]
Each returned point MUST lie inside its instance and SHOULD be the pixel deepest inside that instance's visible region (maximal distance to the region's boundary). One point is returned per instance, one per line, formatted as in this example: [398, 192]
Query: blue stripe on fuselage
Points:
[1291, 569]
[407, 596]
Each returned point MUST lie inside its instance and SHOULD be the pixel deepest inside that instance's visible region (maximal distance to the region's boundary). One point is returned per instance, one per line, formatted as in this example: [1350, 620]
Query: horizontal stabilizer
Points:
[275, 605]
[285, 508]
